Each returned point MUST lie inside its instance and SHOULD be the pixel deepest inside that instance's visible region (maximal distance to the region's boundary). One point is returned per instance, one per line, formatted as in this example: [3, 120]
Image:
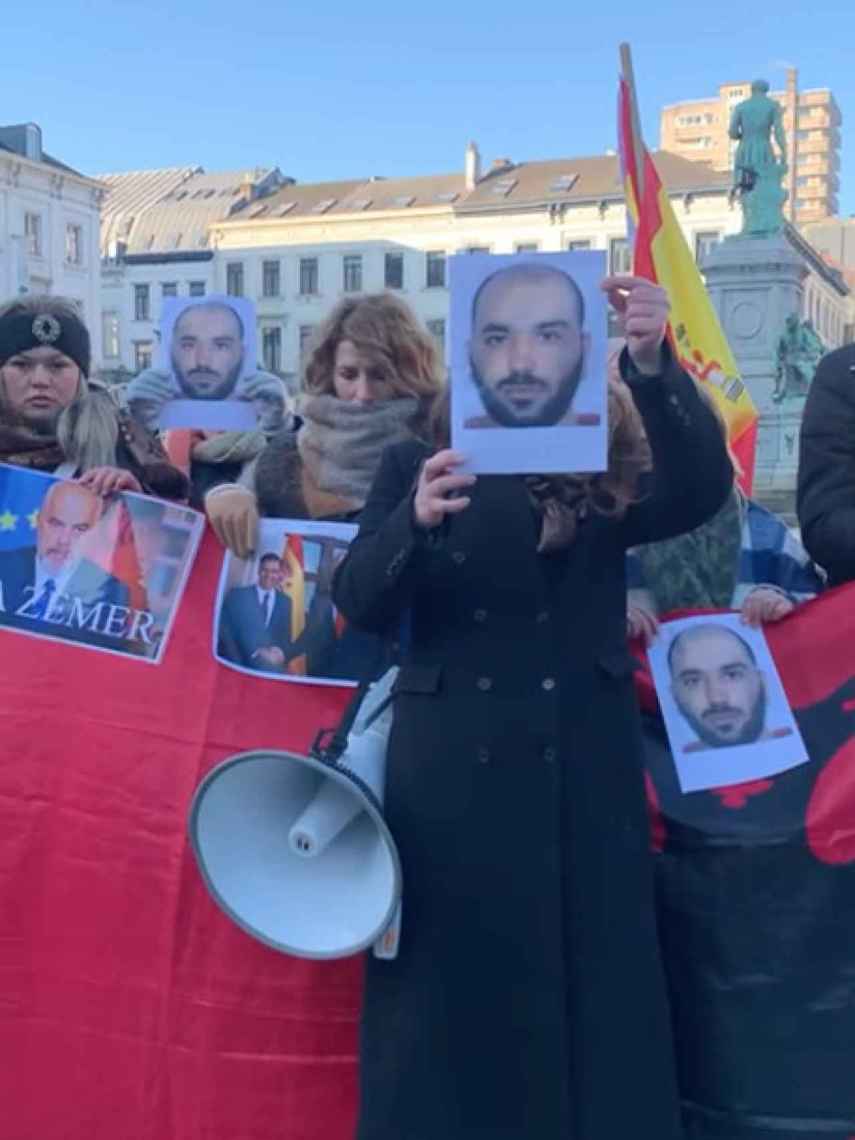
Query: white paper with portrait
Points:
[274, 615]
[105, 574]
[577, 440]
[724, 706]
[226, 356]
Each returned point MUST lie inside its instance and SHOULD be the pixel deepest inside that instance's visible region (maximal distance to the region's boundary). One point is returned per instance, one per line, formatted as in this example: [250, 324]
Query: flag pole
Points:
[628, 76]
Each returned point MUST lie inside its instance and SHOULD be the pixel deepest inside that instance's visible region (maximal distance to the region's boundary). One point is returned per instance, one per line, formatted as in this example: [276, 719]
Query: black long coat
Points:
[527, 999]
[826, 485]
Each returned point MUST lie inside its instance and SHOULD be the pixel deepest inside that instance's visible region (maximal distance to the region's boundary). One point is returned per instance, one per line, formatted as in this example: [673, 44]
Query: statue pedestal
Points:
[755, 284]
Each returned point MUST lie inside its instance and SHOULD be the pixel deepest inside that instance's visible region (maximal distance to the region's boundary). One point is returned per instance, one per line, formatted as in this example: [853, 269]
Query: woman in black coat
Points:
[527, 998]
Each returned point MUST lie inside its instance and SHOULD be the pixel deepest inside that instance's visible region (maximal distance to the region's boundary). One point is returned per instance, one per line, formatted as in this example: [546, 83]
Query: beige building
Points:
[295, 249]
[698, 129]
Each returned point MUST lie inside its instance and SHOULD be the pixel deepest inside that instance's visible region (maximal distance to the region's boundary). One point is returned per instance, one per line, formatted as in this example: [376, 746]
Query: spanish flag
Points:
[661, 253]
[294, 586]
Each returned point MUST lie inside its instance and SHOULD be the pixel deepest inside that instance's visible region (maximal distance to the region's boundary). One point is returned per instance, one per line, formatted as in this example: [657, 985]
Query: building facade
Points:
[155, 244]
[49, 226]
[698, 129]
[301, 247]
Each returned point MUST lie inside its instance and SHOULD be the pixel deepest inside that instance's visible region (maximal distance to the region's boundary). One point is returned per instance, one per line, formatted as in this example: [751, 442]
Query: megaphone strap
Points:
[351, 775]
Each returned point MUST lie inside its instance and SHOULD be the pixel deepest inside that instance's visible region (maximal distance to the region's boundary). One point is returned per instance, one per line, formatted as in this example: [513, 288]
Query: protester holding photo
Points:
[54, 417]
[744, 558]
[370, 380]
[527, 998]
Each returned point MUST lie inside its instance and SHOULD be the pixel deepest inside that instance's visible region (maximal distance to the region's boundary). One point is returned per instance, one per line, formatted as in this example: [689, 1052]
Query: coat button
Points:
[483, 755]
[485, 684]
[542, 617]
[480, 615]
[550, 755]
[548, 683]
[458, 557]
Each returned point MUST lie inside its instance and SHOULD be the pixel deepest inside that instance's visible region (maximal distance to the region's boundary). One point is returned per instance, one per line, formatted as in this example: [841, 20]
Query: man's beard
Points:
[750, 732]
[547, 414]
[222, 389]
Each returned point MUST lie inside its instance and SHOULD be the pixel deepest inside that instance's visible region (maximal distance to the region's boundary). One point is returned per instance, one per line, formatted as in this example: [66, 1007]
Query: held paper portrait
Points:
[725, 710]
[274, 613]
[528, 362]
[209, 347]
[106, 574]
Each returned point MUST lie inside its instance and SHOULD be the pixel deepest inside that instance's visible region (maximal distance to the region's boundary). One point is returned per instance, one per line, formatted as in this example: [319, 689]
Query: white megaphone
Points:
[295, 849]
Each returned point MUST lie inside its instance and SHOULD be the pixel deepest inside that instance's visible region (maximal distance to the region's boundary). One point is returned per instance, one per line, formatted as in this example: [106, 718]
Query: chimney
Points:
[248, 186]
[473, 166]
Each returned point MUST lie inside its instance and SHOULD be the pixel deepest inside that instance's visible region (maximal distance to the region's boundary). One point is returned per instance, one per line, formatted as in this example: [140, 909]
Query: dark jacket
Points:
[243, 629]
[826, 485]
[527, 999]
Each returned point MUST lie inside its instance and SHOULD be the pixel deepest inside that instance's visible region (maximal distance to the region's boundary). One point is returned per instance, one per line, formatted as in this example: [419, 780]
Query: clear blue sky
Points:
[329, 89]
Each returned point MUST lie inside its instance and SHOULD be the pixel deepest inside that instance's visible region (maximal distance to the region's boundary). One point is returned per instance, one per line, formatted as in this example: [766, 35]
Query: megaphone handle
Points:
[338, 741]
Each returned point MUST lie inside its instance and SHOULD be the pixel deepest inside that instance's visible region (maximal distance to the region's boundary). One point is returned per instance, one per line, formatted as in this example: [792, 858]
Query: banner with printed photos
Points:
[105, 574]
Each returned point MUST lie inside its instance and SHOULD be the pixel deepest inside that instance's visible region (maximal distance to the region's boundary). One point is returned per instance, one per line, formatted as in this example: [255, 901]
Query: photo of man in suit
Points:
[42, 583]
[255, 621]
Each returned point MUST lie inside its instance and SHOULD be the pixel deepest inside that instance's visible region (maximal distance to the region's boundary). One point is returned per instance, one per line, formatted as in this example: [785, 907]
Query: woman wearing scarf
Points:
[744, 558]
[54, 418]
[370, 381]
[527, 998]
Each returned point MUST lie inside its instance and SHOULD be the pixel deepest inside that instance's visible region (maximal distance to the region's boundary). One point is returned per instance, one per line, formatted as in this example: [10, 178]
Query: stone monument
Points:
[756, 282]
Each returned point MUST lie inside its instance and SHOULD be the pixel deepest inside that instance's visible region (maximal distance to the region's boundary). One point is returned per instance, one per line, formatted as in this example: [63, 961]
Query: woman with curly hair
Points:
[527, 997]
[371, 378]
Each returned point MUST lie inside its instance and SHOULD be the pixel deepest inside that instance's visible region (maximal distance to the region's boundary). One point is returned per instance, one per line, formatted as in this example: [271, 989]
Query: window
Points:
[578, 245]
[620, 256]
[394, 271]
[435, 269]
[437, 331]
[478, 249]
[308, 276]
[142, 303]
[705, 241]
[234, 278]
[271, 348]
[270, 279]
[142, 355]
[169, 289]
[197, 288]
[306, 334]
[73, 244]
[33, 234]
[110, 334]
[527, 247]
[352, 265]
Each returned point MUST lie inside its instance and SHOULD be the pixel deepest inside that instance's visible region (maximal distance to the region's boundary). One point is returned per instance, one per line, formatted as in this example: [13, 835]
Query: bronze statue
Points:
[798, 353]
[757, 171]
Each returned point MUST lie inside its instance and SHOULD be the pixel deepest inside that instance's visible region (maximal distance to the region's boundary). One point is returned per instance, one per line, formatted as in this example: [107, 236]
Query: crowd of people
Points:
[515, 774]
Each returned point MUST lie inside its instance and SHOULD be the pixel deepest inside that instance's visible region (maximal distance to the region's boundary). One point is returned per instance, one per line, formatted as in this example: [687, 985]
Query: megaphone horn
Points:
[294, 849]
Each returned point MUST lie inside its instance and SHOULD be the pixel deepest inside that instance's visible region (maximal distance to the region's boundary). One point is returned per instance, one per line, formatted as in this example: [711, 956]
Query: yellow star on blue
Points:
[8, 521]
[33, 518]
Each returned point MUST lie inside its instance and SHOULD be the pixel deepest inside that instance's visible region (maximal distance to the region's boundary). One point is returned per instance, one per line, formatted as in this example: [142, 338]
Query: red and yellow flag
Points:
[294, 587]
[661, 253]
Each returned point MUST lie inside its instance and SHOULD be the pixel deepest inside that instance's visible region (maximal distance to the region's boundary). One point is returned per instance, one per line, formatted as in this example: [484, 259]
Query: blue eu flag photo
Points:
[21, 494]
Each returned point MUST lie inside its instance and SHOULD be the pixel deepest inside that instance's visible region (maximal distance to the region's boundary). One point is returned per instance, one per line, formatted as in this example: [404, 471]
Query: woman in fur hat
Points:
[54, 418]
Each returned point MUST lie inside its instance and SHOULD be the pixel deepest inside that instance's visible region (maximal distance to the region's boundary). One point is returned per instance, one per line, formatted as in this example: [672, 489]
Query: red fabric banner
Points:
[130, 1007]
